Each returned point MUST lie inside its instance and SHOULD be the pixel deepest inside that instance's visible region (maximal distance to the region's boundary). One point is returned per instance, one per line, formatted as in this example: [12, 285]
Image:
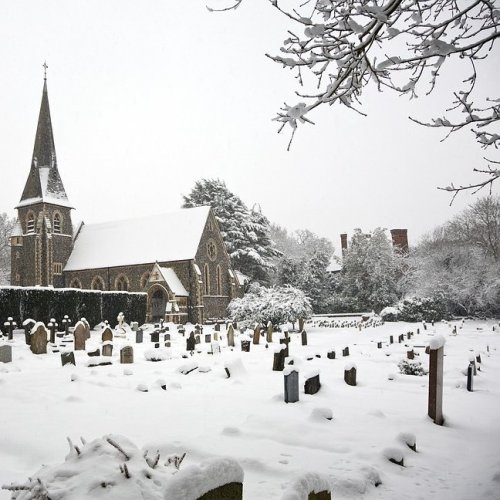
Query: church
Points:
[179, 259]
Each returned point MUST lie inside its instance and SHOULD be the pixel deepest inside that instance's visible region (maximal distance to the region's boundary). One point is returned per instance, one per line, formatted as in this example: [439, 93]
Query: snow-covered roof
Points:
[173, 282]
[334, 267]
[242, 278]
[163, 238]
[17, 230]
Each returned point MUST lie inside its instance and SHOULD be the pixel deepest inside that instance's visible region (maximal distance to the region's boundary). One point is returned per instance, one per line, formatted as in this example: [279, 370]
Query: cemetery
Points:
[342, 408]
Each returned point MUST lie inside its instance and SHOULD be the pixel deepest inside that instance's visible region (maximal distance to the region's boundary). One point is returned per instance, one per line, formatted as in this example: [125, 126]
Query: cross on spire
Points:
[45, 70]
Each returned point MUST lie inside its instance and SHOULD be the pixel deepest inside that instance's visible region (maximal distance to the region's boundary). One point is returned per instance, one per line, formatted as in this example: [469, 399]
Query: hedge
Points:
[42, 304]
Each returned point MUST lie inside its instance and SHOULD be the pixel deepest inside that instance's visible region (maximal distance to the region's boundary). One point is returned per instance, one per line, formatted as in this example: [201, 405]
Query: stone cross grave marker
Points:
[127, 355]
[66, 322]
[10, 324]
[80, 336]
[107, 335]
[350, 375]
[292, 386]
[5, 353]
[435, 403]
[312, 385]
[68, 358]
[39, 340]
[52, 326]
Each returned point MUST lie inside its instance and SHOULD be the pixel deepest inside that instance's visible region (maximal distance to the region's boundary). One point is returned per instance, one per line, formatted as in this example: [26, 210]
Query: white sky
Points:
[149, 96]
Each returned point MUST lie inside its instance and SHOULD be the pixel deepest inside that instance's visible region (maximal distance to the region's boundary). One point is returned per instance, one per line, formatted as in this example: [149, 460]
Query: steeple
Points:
[44, 183]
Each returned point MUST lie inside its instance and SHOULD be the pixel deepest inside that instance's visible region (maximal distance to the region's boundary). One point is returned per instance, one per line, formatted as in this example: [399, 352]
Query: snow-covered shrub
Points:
[156, 355]
[422, 309]
[411, 367]
[389, 314]
[277, 305]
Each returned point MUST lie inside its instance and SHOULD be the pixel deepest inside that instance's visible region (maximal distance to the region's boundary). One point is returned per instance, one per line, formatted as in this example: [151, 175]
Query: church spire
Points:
[44, 182]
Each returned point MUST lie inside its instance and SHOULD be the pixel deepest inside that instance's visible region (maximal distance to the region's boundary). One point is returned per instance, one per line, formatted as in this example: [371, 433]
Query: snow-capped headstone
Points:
[107, 334]
[291, 385]
[5, 354]
[80, 336]
[139, 336]
[10, 324]
[330, 354]
[52, 326]
[87, 327]
[217, 327]
[134, 325]
[155, 336]
[127, 355]
[312, 383]
[107, 348]
[197, 339]
[68, 358]
[215, 347]
[285, 339]
[28, 325]
[410, 354]
[345, 351]
[279, 358]
[435, 402]
[66, 322]
[350, 374]
[379, 345]
[39, 338]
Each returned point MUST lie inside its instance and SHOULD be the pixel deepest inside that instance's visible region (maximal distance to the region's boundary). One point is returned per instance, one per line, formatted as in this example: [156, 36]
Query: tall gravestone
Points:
[80, 336]
[256, 334]
[191, 342]
[303, 336]
[87, 327]
[292, 386]
[230, 335]
[139, 336]
[107, 334]
[435, 403]
[470, 378]
[39, 340]
[269, 332]
[28, 325]
[66, 322]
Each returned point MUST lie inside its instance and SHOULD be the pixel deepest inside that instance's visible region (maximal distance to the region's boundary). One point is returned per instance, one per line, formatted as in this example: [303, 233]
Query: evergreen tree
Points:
[246, 233]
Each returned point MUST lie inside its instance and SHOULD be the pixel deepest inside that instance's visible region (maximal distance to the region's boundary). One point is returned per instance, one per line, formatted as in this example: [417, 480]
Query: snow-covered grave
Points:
[230, 407]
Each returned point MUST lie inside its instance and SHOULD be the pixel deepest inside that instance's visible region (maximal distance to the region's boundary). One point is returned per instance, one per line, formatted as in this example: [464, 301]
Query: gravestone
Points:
[134, 325]
[470, 377]
[279, 360]
[350, 375]
[208, 338]
[245, 346]
[478, 358]
[330, 355]
[197, 339]
[191, 342]
[391, 340]
[167, 336]
[228, 491]
[379, 345]
[410, 354]
[215, 348]
[217, 327]
[10, 324]
[303, 336]
[66, 322]
[87, 327]
[472, 361]
[139, 336]
[230, 335]
[418, 331]
[127, 355]
[80, 336]
[107, 335]
[5, 354]
[107, 348]
[312, 385]
[28, 325]
[269, 332]
[68, 358]
[292, 387]
[345, 351]
[52, 326]
[285, 339]
[216, 336]
[435, 403]
[39, 340]
[401, 338]
[96, 352]
[256, 334]
[155, 336]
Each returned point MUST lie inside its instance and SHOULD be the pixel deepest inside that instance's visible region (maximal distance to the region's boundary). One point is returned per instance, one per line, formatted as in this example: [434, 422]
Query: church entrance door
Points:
[158, 305]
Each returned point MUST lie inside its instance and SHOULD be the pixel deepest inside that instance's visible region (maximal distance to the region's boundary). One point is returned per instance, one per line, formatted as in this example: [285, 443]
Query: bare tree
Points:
[401, 45]
[6, 225]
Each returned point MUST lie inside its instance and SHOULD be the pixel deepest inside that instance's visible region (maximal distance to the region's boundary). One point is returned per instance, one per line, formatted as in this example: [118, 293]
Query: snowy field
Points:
[206, 414]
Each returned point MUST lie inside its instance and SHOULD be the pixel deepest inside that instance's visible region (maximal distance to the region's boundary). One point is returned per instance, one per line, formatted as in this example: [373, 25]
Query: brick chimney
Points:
[343, 243]
[400, 239]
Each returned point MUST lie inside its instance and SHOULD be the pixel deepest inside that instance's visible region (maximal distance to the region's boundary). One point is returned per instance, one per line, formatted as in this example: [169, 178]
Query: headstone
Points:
[87, 327]
[435, 404]
[191, 342]
[312, 385]
[107, 348]
[68, 358]
[410, 354]
[127, 355]
[379, 345]
[216, 335]
[285, 339]
[427, 350]
[52, 326]
[228, 491]
[134, 325]
[230, 335]
[478, 358]
[96, 352]
[217, 327]
[350, 375]
[279, 360]
[197, 339]
[107, 334]
[292, 387]
[418, 331]
[303, 336]
[139, 336]
[269, 332]
[28, 326]
[80, 336]
[470, 377]
[39, 340]
[245, 346]
[472, 361]
[155, 336]
[5, 353]
[331, 355]
[66, 322]
[208, 338]
[256, 334]
[167, 336]
[10, 324]
[401, 338]
[345, 351]
[391, 340]
[215, 348]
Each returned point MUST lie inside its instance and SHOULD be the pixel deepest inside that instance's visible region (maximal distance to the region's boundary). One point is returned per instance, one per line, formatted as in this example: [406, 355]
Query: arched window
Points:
[30, 223]
[206, 278]
[97, 283]
[57, 223]
[144, 279]
[219, 280]
[75, 283]
[121, 283]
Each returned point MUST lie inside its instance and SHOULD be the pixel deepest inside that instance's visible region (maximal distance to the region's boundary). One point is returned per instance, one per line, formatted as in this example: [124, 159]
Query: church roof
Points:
[164, 238]
[173, 282]
[44, 183]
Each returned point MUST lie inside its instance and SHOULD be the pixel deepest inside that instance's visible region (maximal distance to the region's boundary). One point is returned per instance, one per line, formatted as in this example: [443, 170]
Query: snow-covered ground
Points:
[208, 415]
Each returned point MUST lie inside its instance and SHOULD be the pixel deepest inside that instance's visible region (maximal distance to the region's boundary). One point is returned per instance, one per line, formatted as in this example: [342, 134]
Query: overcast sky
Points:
[149, 96]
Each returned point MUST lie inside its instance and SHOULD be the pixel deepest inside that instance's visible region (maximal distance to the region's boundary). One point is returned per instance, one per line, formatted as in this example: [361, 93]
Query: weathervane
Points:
[45, 70]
